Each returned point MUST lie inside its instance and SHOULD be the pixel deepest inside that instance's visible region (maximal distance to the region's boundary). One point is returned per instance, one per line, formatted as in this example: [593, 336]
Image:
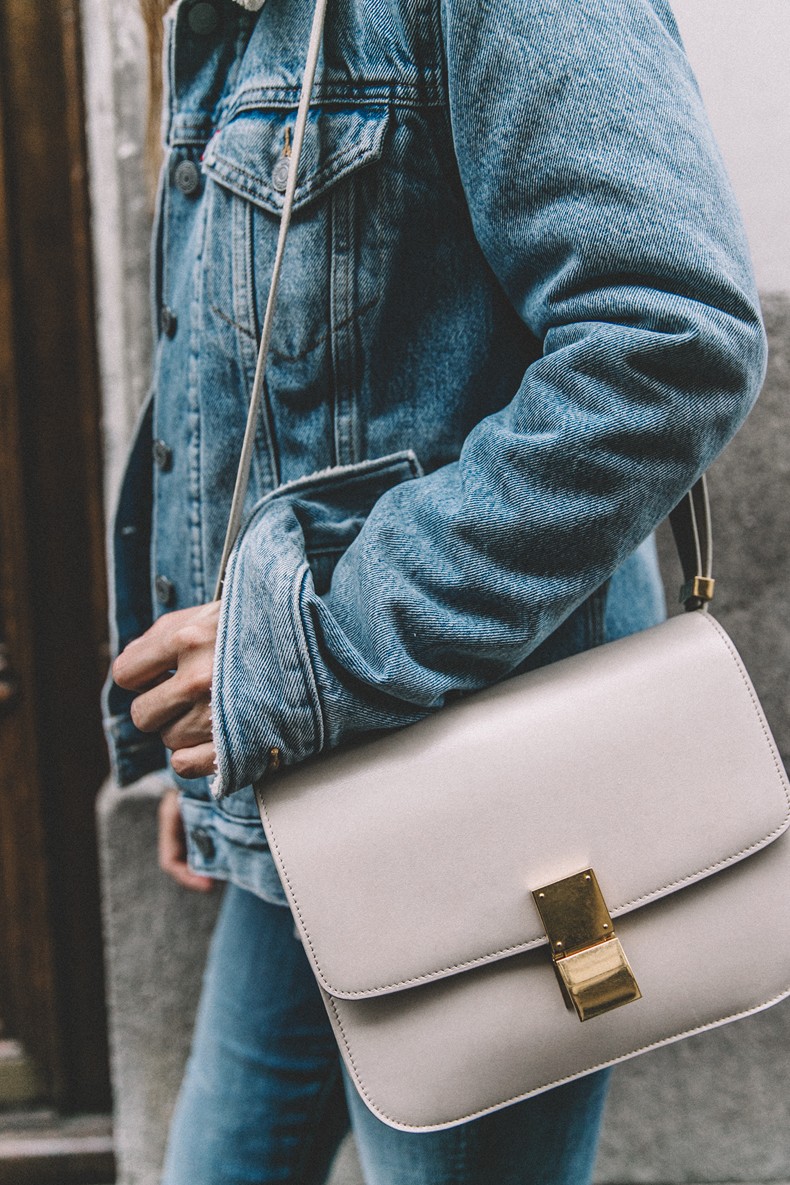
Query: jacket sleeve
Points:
[600, 201]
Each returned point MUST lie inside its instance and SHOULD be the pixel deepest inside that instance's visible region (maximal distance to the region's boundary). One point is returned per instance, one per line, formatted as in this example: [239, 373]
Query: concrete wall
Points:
[714, 1109]
[115, 95]
[740, 50]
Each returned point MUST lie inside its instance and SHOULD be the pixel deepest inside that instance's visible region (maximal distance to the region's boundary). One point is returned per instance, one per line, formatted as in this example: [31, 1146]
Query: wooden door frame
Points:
[52, 594]
[27, 968]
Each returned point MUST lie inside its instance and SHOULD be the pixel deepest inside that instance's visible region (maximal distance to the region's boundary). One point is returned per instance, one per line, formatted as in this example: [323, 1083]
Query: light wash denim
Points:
[264, 1098]
[516, 320]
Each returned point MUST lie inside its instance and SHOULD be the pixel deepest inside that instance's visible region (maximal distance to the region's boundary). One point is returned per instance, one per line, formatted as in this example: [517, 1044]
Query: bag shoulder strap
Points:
[691, 528]
[248, 444]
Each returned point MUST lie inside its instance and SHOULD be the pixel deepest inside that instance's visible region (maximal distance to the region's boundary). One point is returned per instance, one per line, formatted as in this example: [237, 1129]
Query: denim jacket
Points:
[516, 321]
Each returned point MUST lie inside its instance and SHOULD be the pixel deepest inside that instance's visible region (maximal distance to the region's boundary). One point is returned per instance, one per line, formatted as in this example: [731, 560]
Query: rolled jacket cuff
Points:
[264, 694]
[279, 683]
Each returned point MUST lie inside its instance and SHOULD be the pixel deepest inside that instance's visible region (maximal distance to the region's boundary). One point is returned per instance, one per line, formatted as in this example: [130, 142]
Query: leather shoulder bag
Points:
[575, 866]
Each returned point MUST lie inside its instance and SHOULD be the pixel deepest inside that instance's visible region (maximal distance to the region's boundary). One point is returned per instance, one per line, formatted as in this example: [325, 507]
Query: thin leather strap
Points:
[248, 444]
[690, 520]
[691, 528]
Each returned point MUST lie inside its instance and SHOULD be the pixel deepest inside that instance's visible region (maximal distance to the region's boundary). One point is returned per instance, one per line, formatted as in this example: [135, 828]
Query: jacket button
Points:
[280, 173]
[187, 177]
[204, 843]
[165, 590]
[168, 322]
[163, 455]
[203, 18]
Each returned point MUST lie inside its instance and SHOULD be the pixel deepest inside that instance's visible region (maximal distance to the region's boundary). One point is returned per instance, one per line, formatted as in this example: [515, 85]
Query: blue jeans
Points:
[265, 1098]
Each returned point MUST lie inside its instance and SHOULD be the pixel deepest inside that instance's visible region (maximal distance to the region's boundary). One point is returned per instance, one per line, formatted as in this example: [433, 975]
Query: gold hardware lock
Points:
[698, 589]
[590, 963]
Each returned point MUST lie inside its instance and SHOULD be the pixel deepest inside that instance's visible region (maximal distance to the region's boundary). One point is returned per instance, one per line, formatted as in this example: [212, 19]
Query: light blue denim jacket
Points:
[516, 321]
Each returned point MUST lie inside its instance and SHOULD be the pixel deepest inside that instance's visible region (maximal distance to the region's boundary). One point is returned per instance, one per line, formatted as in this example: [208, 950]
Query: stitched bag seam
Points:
[678, 1036]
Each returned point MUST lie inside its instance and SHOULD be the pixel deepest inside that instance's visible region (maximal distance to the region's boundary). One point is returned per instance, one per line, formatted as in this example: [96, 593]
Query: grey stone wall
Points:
[156, 936]
[115, 98]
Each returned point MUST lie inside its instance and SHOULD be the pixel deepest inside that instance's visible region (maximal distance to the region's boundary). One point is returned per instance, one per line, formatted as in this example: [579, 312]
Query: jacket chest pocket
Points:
[324, 281]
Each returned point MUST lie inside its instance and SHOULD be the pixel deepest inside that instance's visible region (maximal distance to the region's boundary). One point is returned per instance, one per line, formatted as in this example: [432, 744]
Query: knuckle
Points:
[188, 637]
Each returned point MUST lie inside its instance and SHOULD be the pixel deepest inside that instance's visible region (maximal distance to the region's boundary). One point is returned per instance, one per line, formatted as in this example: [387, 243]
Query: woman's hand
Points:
[171, 667]
[173, 847]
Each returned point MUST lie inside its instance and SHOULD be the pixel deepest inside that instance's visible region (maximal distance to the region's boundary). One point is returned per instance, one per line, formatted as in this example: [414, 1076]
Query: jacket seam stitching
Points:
[362, 95]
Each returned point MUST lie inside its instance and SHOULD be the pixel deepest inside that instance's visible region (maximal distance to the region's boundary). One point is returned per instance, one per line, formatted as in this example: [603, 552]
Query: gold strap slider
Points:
[698, 590]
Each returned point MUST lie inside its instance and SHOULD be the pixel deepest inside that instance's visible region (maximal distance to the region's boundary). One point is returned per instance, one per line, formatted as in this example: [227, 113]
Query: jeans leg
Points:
[262, 1098]
[547, 1140]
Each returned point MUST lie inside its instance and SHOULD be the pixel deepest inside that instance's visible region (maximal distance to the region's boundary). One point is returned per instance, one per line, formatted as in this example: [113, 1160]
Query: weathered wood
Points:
[57, 610]
[27, 984]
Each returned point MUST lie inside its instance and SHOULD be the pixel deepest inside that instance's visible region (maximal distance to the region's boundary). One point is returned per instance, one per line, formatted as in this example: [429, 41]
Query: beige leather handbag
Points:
[602, 841]
[575, 866]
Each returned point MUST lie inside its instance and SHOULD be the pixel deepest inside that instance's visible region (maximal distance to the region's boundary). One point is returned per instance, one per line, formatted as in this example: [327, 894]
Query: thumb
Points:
[173, 848]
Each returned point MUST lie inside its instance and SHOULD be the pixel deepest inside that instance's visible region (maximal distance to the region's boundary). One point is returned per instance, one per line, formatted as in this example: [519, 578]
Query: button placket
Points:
[163, 456]
[165, 591]
[168, 322]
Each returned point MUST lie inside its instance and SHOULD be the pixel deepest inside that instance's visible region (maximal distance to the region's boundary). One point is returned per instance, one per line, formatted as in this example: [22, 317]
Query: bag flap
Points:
[242, 154]
[413, 856]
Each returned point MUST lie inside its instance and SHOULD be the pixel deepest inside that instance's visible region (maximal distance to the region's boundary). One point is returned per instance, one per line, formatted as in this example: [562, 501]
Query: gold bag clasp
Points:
[591, 965]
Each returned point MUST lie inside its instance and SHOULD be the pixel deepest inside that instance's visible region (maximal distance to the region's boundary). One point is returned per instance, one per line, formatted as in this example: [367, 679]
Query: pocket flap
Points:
[243, 154]
[414, 856]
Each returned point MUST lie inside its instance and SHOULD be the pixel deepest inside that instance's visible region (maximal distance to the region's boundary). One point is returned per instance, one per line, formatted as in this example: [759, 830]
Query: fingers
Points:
[171, 666]
[172, 846]
[196, 762]
[164, 647]
[152, 710]
[193, 728]
[148, 659]
[189, 736]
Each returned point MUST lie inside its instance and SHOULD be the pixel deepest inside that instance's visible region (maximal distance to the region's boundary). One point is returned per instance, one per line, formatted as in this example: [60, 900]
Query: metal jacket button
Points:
[163, 455]
[187, 177]
[168, 322]
[165, 590]
[280, 173]
[203, 18]
[204, 843]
